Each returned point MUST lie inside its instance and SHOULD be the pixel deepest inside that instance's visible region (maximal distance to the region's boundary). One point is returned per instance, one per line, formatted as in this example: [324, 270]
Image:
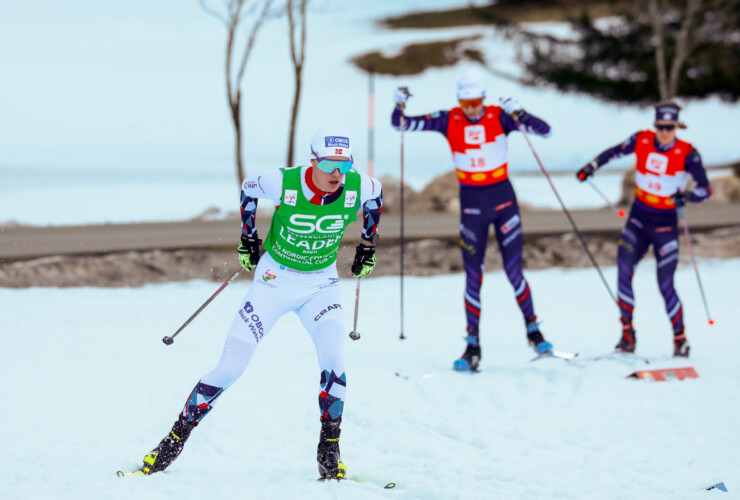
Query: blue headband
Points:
[666, 113]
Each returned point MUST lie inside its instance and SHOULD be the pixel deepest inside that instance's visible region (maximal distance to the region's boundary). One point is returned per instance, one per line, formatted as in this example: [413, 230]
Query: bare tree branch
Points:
[291, 30]
[212, 12]
[252, 36]
[656, 17]
[232, 25]
[298, 59]
[682, 46]
[236, 12]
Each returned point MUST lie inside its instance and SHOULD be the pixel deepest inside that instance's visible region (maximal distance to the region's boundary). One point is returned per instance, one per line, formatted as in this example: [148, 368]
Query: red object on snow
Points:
[665, 375]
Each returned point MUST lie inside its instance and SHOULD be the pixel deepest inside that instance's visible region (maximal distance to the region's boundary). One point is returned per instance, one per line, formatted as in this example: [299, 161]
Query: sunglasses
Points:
[666, 128]
[330, 166]
[470, 102]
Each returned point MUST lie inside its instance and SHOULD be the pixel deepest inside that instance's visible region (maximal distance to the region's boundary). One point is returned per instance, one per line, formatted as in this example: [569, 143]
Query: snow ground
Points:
[116, 112]
[93, 389]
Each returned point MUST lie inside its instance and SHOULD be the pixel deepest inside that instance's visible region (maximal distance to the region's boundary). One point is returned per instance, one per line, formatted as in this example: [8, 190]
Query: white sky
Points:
[115, 111]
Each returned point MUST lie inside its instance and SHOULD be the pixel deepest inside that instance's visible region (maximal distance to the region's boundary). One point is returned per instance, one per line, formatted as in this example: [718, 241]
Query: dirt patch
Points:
[119, 269]
[417, 57]
[505, 12]
[442, 194]
[725, 189]
[422, 258]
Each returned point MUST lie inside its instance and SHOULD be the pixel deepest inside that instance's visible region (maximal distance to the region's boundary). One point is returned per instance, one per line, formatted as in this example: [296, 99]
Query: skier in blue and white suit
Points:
[314, 204]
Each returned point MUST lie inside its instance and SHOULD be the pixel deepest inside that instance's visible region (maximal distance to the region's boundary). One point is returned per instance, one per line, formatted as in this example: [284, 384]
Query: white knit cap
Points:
[471, 84]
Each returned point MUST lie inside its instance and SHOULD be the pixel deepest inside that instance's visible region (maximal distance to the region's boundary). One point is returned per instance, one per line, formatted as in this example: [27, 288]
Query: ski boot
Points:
[628, 342]
[169, 448]
[327, 453]
[471, 357]
[536, 340]
[681, 346]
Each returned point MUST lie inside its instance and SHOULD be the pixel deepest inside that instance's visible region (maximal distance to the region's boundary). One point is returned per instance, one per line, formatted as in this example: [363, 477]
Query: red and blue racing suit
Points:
[660, 172]
[479, 151]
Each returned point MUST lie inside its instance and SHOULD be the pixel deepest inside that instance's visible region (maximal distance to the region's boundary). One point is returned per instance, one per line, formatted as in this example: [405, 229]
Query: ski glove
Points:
[249, 253]
[364, 261]
[681, 197]
[401, 95]
[586, 171]
[511, 106]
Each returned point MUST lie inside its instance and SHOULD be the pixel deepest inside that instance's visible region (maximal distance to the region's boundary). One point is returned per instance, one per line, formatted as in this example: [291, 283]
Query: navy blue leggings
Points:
[645, 227]
[481, 206]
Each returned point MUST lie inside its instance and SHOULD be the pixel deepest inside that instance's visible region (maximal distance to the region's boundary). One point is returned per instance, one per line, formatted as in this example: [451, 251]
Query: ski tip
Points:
[718, 486]
[137, 472]
[388, 486]
[565, 356]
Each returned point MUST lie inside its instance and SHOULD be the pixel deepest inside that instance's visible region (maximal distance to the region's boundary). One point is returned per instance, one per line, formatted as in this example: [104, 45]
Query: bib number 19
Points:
[477, 162]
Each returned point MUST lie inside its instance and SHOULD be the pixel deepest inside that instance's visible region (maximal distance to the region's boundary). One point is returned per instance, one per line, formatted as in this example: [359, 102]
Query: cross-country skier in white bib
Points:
[314, 204]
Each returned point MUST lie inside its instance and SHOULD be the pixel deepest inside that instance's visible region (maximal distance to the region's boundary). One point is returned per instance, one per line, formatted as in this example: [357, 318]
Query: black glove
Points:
[586, 171]
[249, 252]
[681, 197]
[364, 261]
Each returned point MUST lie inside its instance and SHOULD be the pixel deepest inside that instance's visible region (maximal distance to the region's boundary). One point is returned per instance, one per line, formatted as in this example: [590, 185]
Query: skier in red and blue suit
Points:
[477, 135]
[663, 165]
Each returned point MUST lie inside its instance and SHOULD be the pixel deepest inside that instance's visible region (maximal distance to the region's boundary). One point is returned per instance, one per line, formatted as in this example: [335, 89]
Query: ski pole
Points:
[403, 126]
[685, 225]
[565, 210]
[354, 334]
[169, 340]
[619, 211]
[371, 123]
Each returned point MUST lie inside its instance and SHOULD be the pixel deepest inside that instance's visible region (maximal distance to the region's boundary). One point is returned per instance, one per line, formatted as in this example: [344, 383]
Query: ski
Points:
[388, 486]
[618, 355]
[567, 356]
[424, 375]
[407, 376]
[464, 369]
[718, 486]
[135, 472]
